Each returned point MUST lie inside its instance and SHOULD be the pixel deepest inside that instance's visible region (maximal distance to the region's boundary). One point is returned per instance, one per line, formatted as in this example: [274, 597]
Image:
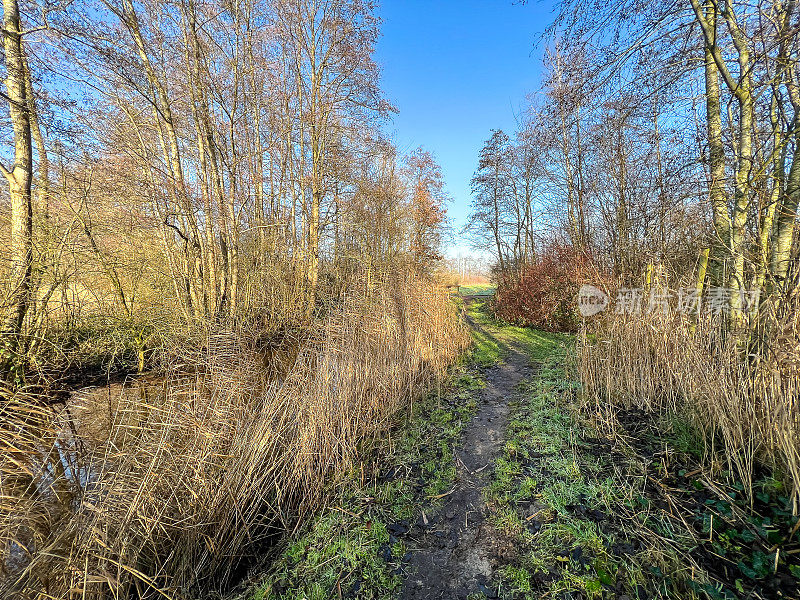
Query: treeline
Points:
[671, 143]
[609, 176]
[660, 163]
[203, 217]
[199, 159]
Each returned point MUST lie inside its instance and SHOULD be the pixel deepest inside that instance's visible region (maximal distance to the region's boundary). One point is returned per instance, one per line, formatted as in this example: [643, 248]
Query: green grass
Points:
[593, 520]
[338, 553]
[478, 289]
[347, 549]
[546, 485]
[493, 339]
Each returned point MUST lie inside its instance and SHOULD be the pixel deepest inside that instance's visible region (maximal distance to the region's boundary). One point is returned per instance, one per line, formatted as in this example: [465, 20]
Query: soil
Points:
[456, 552]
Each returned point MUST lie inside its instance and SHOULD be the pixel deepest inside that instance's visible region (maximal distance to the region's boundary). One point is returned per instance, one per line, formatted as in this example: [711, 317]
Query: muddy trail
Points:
[455, 553]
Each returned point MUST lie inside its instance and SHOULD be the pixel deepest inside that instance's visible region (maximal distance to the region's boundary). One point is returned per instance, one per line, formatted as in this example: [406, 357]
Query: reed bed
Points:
[164, 487]
[741, 390]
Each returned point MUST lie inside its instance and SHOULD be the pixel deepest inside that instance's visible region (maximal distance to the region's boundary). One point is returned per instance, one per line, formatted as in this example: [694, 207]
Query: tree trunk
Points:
[786, 218]
[720, 252]
[744, 96]
[20, 175]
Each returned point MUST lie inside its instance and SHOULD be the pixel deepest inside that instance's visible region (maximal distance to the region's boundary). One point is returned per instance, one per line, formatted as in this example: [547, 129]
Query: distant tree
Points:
[492, 197]
[428, 212]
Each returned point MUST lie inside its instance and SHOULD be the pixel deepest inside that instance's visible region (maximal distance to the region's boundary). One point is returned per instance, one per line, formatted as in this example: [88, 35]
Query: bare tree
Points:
[428, 208]
[492, 190]
[19, 175]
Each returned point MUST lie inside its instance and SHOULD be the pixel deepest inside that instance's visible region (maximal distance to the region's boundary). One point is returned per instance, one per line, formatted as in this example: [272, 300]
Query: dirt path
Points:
[457, 551]
[537, 502]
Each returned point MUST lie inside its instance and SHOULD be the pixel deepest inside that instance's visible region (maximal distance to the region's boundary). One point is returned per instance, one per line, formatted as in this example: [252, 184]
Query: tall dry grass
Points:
[161, 487]
[741, 390]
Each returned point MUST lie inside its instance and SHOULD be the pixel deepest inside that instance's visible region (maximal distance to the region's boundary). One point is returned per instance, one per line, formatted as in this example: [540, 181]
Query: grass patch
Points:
[554, 492]
[627, 516]
[478, 289]
[564, 499]
[351, 549]
[591, 516]
[493, 338]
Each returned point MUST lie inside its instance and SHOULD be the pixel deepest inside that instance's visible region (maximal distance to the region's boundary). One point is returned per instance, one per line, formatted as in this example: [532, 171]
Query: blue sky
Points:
[456, 69]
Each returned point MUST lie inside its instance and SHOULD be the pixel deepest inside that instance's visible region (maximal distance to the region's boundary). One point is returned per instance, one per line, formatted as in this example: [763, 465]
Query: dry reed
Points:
[162, 487]
[745, 394]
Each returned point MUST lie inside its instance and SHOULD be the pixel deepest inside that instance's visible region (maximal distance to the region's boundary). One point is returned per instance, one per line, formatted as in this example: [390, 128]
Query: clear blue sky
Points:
[456, 69]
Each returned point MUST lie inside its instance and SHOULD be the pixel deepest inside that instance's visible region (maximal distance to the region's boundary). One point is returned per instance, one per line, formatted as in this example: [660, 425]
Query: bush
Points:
[543, 294]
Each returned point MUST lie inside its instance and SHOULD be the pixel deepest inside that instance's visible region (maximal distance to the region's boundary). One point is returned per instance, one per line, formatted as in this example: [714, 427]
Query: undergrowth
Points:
[352, 548]
[630, 515]
[174, 485]
[590, 515]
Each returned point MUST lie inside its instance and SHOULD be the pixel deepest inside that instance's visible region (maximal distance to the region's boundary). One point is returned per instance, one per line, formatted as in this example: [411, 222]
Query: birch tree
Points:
[19, 175]
[328, 46]
[747, 53]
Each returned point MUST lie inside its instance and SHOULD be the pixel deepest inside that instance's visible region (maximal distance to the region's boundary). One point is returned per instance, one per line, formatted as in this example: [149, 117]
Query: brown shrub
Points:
[543, 294]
